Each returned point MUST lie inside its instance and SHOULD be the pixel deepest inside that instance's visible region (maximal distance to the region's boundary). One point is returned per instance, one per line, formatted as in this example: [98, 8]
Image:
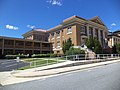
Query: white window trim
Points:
[82, 29]
[58, 46]
[69, 28]
[69, 32]
[57, 49]
[52, 38]
[58, 37]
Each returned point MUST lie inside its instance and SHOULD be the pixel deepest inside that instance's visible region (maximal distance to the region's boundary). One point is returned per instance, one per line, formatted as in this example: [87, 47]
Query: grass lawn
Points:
[38, 62]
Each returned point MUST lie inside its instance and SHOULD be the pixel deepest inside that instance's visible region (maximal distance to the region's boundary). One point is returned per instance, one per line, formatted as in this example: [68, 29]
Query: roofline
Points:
[113, 35]
[73, 17]
[66, 20]
[117, 31]
[33, 30]
[4, 37]
[97, 17]
[51, 29]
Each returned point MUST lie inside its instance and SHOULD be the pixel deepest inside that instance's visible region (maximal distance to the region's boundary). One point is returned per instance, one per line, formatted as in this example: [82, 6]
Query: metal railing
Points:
[37, 62]
[92, 57]
[46, 61]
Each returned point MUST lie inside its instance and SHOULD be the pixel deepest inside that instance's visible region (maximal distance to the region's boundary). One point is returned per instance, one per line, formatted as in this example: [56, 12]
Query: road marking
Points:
[69, 75]
[42, 79]
[89, 70]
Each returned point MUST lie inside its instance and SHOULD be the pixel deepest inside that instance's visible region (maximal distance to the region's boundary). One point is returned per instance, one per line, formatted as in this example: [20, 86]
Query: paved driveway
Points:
[9, 65]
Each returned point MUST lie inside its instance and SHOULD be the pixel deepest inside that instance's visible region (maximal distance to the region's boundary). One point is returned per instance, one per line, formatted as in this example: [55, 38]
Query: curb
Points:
[55, 73]
[73, 69]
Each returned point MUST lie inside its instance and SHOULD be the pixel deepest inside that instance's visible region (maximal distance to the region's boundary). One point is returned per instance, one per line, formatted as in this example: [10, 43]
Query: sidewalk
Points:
[39, 73]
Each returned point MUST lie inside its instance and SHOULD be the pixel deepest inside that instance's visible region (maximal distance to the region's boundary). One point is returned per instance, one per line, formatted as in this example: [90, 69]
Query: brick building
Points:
[30, 45]
[46, 41]
[113, 38]
[78, 29]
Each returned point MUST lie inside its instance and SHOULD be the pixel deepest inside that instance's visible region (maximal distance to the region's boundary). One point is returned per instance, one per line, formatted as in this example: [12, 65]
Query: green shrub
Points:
[15, 56]
[94, 45]
[53, 55]
[43, 55]
[66, 45]
[118, 48]
[74, 51]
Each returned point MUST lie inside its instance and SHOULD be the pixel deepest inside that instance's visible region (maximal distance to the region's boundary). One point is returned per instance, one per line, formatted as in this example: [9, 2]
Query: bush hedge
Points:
[15, 56]
[30, 56]
[43, 55]
[74, 51]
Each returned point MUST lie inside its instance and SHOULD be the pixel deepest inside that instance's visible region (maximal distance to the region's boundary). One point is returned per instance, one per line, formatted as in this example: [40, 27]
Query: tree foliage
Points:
[90, 43]
[74, 51]
[94, 45]
[66, 45]
[114, 49]
[118, 48]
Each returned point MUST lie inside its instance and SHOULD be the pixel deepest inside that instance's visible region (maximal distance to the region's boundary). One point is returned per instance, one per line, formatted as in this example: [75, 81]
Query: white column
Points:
[103, 38]
[93, 32]
[99, 36]
[61, 38]
[112, 41]
[88, 31]
[103, 34]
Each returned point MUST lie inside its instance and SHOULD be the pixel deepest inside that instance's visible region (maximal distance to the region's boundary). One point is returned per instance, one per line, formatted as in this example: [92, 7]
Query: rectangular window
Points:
[58, 44]
[90, 30]
[69, 30]
[53, 45]
[19, 43]
[9, 42]
[96, 33]
[82, 29]
[58, 34]
[52, 35]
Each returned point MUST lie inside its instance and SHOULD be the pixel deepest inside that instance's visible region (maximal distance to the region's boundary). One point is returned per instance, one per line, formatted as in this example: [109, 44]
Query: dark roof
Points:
[118, 31]
[113, 34]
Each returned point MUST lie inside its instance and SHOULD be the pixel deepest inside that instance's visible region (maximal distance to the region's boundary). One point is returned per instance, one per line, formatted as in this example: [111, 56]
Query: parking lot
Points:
[9, 65]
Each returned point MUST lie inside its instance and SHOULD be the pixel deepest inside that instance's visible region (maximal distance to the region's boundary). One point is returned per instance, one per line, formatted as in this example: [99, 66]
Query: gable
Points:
[97, 20]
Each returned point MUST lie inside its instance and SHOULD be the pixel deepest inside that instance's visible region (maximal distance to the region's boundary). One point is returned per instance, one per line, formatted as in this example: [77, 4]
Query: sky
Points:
[19, 16]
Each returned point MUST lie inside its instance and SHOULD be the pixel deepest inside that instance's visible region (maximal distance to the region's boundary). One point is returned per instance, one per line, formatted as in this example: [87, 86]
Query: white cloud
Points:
[55, 2]
[11, 27]
[31, 26]
[109, 30]
[113, 24]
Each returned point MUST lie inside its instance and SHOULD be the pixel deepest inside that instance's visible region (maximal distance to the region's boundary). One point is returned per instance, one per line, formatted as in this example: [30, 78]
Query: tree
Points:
[94, 44]
[114, 49]
[66, 45]
[98, 47]
[118, 48]
[74, 51]
[90, 43]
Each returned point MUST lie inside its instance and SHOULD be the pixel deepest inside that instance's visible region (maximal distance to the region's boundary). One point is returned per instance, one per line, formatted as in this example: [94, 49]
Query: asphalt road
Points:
[9, 65]
[101, 78]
